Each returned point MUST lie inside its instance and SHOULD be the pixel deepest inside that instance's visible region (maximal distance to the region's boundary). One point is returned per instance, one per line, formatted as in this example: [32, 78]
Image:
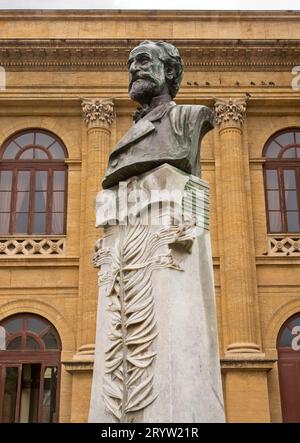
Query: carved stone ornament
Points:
[230, 112]
[98, 111]
[129, 374]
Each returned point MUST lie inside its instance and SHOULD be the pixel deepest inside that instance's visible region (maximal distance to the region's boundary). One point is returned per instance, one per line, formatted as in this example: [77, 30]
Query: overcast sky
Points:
[152, 4]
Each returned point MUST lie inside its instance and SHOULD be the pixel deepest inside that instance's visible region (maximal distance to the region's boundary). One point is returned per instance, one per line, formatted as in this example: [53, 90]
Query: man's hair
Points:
[171, 58]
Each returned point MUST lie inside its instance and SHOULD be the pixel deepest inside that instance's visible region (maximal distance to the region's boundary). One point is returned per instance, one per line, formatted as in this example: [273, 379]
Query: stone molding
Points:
[111, 55]
[98, 112]
[230, 112]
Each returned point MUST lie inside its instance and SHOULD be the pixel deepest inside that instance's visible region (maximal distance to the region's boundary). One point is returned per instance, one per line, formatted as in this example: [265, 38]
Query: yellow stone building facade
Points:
[66, 78]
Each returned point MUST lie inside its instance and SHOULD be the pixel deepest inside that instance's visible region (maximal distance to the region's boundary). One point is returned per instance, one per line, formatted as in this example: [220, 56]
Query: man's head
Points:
[155, 68]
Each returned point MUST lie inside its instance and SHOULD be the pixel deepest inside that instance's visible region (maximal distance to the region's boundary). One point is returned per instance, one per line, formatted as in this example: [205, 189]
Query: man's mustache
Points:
[142, 77]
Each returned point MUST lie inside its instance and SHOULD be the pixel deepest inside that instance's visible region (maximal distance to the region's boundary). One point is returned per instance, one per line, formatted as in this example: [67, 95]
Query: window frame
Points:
[34, 165]
[280, 164]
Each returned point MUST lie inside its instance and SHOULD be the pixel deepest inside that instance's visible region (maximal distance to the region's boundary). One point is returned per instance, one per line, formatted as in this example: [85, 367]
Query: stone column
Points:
[237, 261]
[98, 116]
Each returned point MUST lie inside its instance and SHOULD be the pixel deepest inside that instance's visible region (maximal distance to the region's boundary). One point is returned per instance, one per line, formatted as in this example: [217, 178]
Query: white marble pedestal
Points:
[156, 357]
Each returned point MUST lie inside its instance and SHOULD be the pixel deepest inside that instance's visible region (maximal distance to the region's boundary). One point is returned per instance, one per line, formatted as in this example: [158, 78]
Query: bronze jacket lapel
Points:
[142, 128]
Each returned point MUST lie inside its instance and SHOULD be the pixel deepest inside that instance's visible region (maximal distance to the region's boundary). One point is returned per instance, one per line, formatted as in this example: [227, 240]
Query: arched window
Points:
[29, 370]
[288, 347]
[282, 181]
[33, 180]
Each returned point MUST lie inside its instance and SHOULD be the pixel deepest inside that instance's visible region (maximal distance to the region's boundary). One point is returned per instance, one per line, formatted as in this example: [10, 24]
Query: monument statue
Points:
[163, 131]
[157, 356]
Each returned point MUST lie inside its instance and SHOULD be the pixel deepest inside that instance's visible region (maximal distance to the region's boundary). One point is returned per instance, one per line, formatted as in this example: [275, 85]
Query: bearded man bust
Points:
[163, 132]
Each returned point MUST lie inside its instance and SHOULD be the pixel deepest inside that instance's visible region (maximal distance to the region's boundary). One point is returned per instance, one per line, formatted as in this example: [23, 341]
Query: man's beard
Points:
[143, 90]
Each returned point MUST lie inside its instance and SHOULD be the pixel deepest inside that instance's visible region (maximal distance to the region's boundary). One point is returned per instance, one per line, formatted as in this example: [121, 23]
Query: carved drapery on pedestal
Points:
[98, 114]
[237, 263]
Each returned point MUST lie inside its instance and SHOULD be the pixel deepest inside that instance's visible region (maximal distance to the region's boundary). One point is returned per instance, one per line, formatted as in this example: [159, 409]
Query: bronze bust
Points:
[163, 132]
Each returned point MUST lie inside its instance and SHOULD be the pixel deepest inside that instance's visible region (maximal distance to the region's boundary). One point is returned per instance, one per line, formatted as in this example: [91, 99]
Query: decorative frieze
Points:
[283, 245]
[32, 246]
[111, 55]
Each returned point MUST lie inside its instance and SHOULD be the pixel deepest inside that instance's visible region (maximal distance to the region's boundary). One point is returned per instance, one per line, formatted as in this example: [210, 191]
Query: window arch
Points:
[282, 181]
[33, 182]
[288, 348]
[29, 370]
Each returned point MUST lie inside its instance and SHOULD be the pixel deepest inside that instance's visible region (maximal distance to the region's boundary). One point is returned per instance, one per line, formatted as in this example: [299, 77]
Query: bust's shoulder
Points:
[192, 115]
[193, 110]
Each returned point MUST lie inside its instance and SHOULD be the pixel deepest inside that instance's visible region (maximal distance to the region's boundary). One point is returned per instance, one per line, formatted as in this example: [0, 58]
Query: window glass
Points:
[23, 181]
[31, 344]
[21, 222]
[10, 394]
[289, 179]
[39, 223]
[40, 154]
[15, 344]
[272, 179]
[289, 153]
[273, 150]
[49, 398]
[14, 325]
[59, 180]
[44, 140]
[27, 154]
[25, 140]
[4, 222]
[11, 151]
[50, 341]
[36, 325]
[285, 338]
[293, 221]
[275, 221]
[5, 180]
[286, 139]
[56, 151]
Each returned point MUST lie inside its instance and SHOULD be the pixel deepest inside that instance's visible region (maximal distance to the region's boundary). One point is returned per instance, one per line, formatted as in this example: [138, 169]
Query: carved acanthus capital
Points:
[98, 112]
[230, 112]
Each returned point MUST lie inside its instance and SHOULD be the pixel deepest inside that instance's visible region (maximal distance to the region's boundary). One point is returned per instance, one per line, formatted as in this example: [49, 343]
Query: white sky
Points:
[153, 4]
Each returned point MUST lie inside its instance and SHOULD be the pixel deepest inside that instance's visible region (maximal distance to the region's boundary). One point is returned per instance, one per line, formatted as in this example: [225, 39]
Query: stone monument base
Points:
[157, 358]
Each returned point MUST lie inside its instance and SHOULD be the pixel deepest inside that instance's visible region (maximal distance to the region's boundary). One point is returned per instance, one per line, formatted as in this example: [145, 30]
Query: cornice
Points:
[111, 55]
[123, 14]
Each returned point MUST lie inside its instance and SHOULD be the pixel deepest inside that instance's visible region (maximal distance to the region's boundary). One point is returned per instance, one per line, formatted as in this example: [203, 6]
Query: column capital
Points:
[230, 112]
[98, 112]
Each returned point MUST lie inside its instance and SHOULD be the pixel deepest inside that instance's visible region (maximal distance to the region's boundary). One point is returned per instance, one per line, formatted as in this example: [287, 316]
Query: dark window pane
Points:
[273, 200]
[4, 223]
[49, 399]
[298, 152]
[15, 344]
[58, 180]
[32, 344]
[285, 338]
[26, 155]
[40, 154]
[298, 137]
[23, 181]
[286, 139]
[36, 325]
[22, 204]
[275, 221]
[57, 151]
[10, 395]
[58, 201]
[14, 325]
[21, 222]
[273, 150]
[289, 179]
[50, 341]
[40, 201]
[295, 322]
[291, 200]
[30, 389]
[39, 223]
[272, 179]
[42, 139]
[25, 140]
[5, 180]
[289, 153]
[11, 151]
[57, 223]
[293, 221]
[5, 201]
[41, 178]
